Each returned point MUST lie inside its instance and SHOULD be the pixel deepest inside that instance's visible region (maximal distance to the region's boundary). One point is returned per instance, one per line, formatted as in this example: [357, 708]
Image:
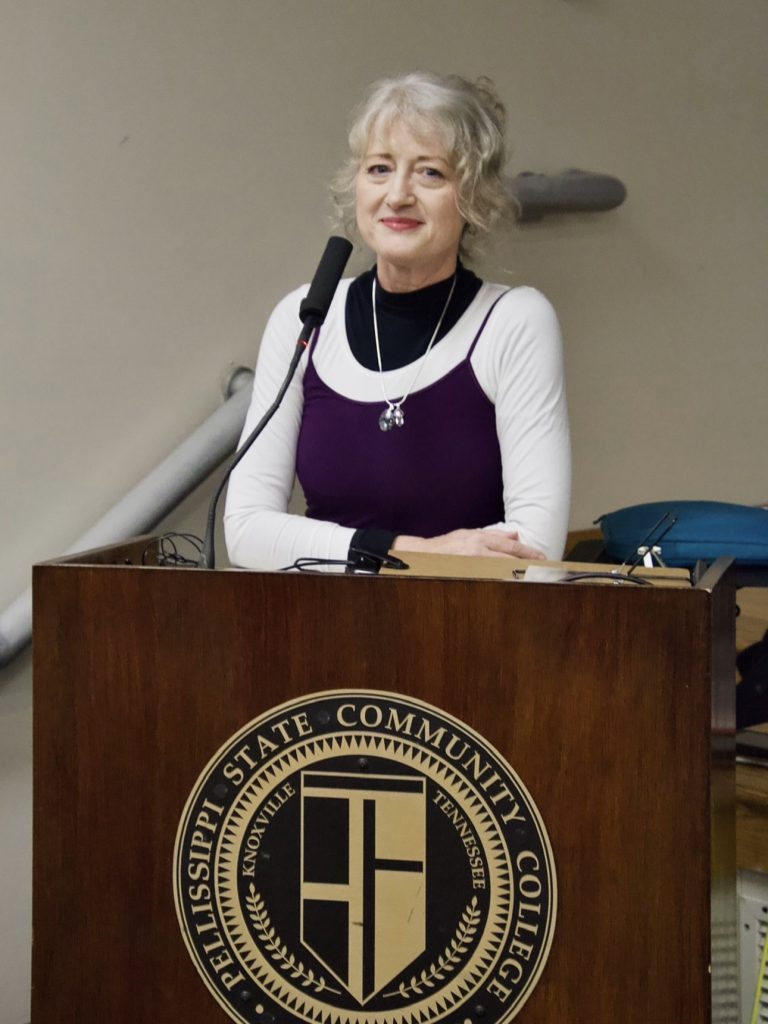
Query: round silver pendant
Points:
[391, 417]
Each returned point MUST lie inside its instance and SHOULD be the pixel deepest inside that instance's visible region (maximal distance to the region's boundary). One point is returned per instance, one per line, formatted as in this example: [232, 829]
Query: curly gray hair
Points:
[469, 119]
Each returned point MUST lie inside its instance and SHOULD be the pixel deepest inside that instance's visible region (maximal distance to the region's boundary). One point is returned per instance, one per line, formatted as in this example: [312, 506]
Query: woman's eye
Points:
[432, 172]
[378, 169]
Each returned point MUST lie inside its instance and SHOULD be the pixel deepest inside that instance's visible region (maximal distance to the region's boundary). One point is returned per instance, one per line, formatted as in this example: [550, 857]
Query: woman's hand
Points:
[496, 543]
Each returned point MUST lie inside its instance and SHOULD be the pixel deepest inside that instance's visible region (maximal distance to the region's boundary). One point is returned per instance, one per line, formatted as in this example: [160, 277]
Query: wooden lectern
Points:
[614, 705]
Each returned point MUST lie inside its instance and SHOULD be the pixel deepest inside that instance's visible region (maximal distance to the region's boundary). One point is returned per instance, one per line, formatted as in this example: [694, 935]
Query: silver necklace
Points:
[393, 415]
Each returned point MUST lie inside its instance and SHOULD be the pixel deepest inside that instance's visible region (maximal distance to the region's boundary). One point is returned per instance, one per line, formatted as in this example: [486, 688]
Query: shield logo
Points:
[363, 875]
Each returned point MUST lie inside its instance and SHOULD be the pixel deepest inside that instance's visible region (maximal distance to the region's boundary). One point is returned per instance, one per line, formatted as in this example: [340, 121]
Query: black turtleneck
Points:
[406, 319]
[406, 322]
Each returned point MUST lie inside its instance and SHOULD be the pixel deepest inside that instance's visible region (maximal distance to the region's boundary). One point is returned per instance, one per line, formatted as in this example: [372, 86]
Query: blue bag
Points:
[704, 530]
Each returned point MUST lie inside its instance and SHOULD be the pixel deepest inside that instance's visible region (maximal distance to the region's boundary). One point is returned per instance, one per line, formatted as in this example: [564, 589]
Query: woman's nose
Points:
[400, 192]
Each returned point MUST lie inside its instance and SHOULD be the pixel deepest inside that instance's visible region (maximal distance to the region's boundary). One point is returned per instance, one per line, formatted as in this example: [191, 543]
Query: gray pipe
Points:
[568, 192]
[148, 502]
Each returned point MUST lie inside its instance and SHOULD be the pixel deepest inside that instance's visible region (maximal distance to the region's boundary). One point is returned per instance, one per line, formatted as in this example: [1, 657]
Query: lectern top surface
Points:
[521, 570]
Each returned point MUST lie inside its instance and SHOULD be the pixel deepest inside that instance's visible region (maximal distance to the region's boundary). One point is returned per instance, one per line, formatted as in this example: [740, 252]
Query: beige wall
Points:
[162, 175]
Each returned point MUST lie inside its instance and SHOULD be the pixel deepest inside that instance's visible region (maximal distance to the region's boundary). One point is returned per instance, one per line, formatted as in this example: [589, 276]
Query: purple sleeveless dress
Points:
[441, 471]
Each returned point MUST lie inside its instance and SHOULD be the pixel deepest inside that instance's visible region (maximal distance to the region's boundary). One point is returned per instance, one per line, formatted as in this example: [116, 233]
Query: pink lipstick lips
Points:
[400, 223]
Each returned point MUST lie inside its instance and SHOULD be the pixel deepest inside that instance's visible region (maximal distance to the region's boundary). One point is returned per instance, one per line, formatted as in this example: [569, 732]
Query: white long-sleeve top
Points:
[518, 363]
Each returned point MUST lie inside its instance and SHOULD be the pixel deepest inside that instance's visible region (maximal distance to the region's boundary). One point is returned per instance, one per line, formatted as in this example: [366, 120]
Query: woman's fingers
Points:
[496, 543]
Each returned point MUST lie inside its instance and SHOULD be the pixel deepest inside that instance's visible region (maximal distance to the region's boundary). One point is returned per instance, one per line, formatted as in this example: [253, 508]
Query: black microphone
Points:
[312, 312]
[314, 306]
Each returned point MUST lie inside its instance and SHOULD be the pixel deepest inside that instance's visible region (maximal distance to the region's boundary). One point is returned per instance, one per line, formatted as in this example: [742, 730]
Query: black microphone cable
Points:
[312, 311]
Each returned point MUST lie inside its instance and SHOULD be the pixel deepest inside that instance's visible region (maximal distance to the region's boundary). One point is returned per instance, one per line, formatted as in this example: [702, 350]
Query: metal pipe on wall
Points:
[540, 195]
[145, 505]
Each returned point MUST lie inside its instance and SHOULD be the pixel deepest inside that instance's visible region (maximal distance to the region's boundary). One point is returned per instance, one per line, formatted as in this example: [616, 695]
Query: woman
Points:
[429, 413]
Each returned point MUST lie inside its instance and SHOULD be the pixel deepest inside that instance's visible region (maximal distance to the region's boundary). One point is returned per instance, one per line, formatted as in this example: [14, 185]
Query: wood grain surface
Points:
[600, 699]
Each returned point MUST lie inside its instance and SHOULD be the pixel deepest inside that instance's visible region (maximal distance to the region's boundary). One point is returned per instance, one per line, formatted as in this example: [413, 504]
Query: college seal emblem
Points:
[358, 857]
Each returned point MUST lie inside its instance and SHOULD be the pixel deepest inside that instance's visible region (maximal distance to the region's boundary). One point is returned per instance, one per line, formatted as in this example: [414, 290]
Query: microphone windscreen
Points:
[324, 283]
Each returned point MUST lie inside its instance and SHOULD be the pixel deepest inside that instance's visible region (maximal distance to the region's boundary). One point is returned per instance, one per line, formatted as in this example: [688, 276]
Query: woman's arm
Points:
[526, 361]
[260, 532]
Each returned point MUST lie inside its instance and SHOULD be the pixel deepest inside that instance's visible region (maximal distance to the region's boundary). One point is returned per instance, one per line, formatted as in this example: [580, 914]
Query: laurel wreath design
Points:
[277, 949]
[450, 958]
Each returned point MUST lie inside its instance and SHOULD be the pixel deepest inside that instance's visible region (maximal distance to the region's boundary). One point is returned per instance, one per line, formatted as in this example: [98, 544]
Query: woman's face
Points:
[406, 208]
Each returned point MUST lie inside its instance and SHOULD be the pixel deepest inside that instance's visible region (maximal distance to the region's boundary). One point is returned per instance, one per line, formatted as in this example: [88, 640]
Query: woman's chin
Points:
[400, 246]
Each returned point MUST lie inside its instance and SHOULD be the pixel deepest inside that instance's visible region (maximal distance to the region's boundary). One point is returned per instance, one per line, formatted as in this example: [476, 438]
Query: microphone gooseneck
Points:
[312, 312]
